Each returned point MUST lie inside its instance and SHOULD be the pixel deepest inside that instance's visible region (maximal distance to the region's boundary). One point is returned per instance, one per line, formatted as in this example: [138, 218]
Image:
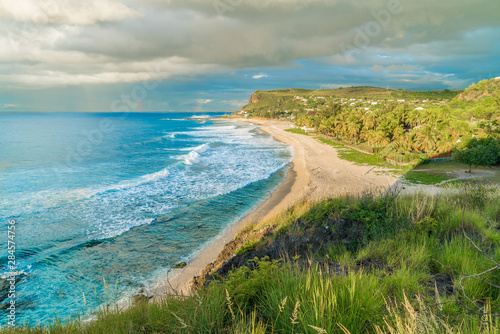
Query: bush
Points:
[479, 152]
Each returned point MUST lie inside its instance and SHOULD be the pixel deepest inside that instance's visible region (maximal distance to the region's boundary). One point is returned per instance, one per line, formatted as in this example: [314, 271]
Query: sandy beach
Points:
[316, 172]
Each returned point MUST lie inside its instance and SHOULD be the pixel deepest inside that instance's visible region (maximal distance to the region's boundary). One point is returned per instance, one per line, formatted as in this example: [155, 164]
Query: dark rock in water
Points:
[128, 282]
[140, 298]
[25, 305]
[4, 288]
[60, 294]
[180, 265]
[20, 305]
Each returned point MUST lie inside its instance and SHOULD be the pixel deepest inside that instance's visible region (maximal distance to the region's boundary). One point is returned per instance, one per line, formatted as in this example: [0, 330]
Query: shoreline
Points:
[180, 284]
[314, 173]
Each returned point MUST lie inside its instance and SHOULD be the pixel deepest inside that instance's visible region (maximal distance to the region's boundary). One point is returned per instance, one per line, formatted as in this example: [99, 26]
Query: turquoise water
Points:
[106, 204]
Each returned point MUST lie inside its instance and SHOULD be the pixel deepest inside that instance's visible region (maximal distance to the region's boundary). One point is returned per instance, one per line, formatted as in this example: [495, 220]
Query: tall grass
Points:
[385, 284]
[352, 300]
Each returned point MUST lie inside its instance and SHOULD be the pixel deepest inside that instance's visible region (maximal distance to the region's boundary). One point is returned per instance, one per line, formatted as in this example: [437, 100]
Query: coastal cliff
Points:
[254, 98]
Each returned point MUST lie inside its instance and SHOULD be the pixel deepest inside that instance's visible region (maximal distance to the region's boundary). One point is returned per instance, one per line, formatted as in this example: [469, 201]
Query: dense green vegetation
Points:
[426, 174]
[274, 103]
[400, 125]
[479, 152]
[371, 265]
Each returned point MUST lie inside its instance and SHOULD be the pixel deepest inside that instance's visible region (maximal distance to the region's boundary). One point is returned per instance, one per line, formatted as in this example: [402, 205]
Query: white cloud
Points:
[260, 76]
[46, 75]
[64, 42]
[65, 11]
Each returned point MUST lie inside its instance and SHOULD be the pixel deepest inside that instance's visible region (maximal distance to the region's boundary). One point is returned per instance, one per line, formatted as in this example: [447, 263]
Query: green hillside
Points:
[275, 102]
[402, 126]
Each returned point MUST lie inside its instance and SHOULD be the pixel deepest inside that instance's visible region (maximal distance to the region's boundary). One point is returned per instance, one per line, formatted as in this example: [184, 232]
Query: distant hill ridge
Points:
[292, 98]
[355, 91]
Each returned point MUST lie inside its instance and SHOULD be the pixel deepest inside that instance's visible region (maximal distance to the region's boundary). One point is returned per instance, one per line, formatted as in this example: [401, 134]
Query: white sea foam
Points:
[227, 134]
[193, 157]
[53, 198]
[199, 149]
[111, 210]
[106, 231]
[142, 180]
[200, 117]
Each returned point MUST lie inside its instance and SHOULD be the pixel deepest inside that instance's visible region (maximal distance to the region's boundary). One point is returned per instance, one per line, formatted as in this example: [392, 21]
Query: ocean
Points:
[104, 205]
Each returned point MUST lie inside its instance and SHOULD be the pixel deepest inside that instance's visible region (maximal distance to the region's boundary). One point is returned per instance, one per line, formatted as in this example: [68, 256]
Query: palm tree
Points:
[398, 132]
[426, 139]
[327, 125]
[369, 120]
[377, 138]
[341, 125]
[443, 146]
[354, 128]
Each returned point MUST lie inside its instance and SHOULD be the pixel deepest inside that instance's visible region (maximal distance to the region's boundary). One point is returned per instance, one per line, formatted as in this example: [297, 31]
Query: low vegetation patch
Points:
[423, 178]
[297, 130]
[358, 157]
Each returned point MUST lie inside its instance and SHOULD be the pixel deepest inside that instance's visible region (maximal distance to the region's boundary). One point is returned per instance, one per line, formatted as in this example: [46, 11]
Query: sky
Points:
[202, 55]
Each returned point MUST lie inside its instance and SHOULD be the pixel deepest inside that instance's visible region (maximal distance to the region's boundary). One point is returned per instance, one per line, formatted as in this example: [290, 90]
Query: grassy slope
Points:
[364, 264]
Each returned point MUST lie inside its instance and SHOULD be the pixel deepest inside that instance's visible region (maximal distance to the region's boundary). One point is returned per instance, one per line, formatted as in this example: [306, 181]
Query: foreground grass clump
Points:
[390, 264]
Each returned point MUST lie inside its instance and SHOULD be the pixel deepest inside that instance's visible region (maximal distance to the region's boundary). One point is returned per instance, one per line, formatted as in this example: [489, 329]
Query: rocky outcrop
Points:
[298, 244]
[254, 98]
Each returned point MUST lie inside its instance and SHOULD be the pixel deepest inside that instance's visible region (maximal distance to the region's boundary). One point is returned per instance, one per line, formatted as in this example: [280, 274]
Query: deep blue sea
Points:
[105, 204]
